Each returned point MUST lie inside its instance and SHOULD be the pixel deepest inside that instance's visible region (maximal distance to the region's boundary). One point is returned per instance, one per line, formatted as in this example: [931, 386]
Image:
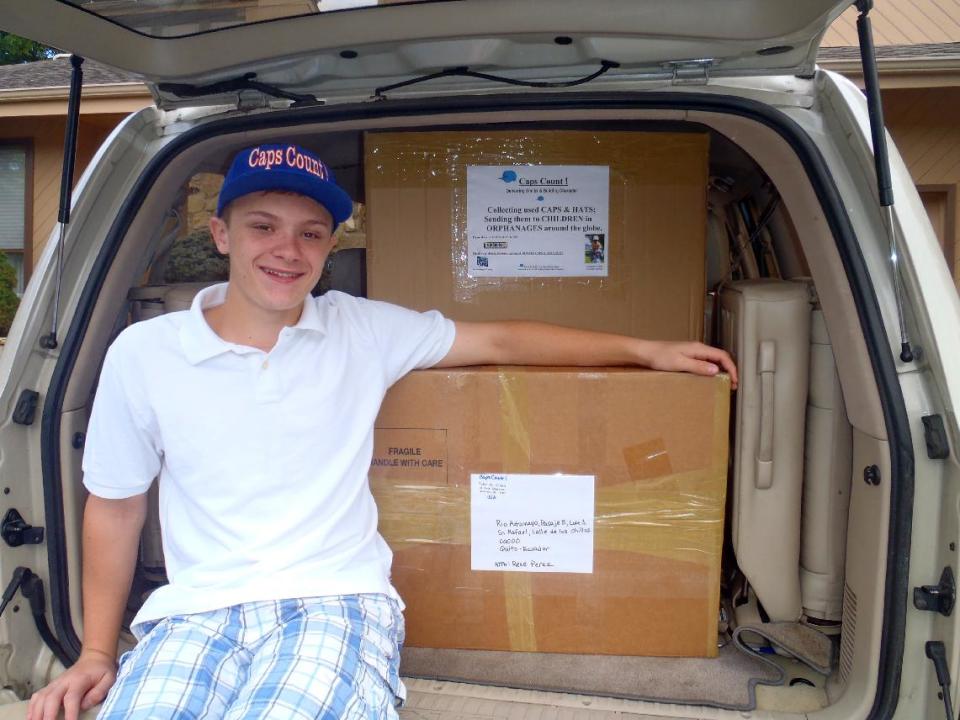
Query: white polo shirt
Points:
[262, 458]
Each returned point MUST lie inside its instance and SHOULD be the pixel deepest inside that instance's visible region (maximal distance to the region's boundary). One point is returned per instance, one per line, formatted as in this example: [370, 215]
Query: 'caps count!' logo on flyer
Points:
[540, 176]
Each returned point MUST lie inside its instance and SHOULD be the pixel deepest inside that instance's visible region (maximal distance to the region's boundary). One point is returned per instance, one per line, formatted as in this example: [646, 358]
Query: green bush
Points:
[9, 300]
[194, 258]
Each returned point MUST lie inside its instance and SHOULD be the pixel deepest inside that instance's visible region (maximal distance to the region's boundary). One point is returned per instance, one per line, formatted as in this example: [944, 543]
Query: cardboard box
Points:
[416, 196]
[656, 444]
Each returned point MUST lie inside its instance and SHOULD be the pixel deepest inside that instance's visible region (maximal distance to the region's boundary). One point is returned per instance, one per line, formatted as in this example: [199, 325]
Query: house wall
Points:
[924, 125]
[46, 135]
[900, 22]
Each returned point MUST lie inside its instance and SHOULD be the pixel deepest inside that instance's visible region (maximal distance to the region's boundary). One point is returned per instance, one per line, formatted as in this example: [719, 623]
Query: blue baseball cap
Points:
[284, 167]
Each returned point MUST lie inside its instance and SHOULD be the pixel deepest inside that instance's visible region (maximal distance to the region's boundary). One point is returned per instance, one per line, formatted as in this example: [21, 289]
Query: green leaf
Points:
[15, 49]
[9, 300]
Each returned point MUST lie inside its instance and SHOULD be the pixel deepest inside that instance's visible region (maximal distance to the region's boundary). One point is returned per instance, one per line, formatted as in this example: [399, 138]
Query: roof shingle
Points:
[56, 73]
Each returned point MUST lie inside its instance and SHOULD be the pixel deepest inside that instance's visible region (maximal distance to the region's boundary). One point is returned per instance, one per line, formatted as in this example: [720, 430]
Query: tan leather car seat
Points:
[826, 485]
[765, 324]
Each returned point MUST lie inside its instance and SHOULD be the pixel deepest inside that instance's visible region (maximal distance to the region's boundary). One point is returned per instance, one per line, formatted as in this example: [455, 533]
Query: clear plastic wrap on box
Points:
[649, 280]
[655, 445]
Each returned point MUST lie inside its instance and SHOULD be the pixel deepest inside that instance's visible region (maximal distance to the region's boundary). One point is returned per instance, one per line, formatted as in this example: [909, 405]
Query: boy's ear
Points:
[220, 234]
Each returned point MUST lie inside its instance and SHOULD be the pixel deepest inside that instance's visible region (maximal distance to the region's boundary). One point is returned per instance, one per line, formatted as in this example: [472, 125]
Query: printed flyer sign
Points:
[531, 523]
[538, 220]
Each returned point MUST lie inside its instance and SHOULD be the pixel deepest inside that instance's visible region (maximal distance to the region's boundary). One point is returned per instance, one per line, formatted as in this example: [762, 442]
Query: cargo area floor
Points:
[727, 681]
[436, 700]
[432, 700]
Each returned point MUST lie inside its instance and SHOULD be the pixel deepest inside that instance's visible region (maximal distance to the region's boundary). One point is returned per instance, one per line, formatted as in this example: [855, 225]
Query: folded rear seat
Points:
[826, 485]
[153, 300]
[765, 325]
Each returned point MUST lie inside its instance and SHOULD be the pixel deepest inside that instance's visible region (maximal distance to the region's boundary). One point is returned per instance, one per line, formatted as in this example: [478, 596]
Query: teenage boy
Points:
[255, 409]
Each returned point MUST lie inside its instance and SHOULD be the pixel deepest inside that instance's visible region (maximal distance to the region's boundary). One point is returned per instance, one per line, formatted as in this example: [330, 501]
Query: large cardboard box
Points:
[417, 248]
[656, 446]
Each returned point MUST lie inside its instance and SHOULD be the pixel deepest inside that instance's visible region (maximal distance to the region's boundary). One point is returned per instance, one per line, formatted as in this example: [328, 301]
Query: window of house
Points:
[15, 166]
[940, 202]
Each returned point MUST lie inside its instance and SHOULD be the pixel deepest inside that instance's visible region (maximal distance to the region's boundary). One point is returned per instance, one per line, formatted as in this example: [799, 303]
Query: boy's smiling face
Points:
[277, 243]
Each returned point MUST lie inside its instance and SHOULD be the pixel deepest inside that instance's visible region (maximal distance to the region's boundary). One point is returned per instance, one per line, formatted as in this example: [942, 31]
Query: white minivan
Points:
[854, 560]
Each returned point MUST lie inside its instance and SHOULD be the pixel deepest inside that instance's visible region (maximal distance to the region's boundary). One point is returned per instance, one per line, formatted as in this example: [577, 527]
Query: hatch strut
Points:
[49, 342]
[871, 82]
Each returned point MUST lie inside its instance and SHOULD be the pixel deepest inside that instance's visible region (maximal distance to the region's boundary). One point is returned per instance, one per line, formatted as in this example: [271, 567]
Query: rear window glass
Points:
[177, 18]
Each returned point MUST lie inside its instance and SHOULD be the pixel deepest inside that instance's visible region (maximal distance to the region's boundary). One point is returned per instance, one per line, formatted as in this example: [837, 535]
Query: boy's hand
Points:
[691, 357]
[82, 686]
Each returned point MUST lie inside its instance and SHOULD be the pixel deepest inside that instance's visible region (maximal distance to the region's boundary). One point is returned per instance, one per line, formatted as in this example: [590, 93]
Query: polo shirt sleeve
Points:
[409, 340]
[121, 454]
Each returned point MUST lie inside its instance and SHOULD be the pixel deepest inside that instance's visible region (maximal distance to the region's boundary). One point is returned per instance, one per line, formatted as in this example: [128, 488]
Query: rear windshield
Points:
[178, 18]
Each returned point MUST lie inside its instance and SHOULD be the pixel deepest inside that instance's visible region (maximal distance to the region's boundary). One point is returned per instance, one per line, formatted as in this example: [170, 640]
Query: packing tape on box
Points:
[632, 517]
[515, 449]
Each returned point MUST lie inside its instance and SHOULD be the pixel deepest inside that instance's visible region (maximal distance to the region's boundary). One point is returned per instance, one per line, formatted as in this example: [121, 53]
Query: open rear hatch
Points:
[347, 50]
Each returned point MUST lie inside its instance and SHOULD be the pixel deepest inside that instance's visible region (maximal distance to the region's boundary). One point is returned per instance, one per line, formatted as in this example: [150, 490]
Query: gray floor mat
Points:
[434, 700]
[809, 646]
[727, 681]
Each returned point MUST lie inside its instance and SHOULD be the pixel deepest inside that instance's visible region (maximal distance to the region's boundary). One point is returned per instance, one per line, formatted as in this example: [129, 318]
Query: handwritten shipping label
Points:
[531, 523]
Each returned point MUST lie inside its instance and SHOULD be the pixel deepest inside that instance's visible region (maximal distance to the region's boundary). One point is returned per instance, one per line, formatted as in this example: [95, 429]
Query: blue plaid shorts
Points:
[327, 657]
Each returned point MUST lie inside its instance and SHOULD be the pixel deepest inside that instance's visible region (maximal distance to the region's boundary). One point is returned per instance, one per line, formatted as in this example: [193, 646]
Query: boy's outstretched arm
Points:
[520, 342]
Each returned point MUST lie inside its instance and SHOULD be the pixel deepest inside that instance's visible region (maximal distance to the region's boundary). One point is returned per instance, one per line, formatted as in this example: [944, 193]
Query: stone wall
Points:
[202, 192]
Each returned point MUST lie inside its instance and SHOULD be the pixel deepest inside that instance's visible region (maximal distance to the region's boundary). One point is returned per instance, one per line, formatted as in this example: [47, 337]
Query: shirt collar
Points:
[200, 342]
